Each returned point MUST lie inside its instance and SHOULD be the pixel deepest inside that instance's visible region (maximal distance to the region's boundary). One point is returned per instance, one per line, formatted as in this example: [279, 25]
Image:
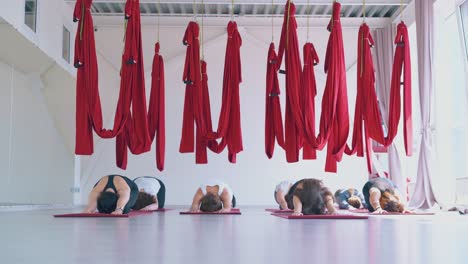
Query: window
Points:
[66, 44]
[30, 13]
[451, 94]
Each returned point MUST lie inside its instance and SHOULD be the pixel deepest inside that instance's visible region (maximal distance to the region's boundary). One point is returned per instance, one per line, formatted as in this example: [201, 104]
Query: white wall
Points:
[36, 165]
[52, 15]
[254, 176]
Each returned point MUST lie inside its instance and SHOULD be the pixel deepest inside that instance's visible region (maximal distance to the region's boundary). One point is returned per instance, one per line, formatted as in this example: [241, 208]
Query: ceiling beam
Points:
[258, 2]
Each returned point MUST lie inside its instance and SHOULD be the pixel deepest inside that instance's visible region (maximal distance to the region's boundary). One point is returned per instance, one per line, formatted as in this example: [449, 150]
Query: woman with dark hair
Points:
[310, 196]
[382, 196]
[217, 197]
[113, 194]
[349, 199]
[151, 195]
[281, 191]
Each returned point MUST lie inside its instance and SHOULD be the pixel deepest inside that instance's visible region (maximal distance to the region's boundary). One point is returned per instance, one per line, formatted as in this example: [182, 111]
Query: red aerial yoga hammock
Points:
[229, 124]
[334, 120]
[156, 113]
[132, 89]
[367, 113]
[196, 105]
[309, 91]
[294, 119]
[273, 116]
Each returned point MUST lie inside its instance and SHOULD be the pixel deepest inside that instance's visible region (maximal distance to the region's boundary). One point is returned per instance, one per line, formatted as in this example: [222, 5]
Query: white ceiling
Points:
[217, 8]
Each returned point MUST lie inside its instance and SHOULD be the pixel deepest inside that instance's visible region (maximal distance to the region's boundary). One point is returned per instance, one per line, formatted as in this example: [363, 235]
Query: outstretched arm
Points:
[374, 200]
[226, 197]
[402, 201]
[195, 208]
[297, 205]
[282, 202]
[330, 204]
[94, 195]
[124, 197]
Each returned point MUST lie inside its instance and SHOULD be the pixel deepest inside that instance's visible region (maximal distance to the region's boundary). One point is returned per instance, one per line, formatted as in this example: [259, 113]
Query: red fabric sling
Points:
[136, 136]
[132, 90]
[289, 48]
[334, 120]
[156, 110]
[309, 91]
[193, 113]
[206, 131]
[229, 124]
[402, 66]
[273, 116]
[367, 114]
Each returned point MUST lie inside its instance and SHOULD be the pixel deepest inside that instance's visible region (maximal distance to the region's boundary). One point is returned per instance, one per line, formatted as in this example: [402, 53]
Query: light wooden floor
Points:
[253, 237]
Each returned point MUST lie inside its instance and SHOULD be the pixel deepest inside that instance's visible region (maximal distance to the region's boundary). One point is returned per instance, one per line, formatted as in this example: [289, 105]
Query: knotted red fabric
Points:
[273, 116]
[309, 91]
[289, 48]
[229, 124]
[132, 89]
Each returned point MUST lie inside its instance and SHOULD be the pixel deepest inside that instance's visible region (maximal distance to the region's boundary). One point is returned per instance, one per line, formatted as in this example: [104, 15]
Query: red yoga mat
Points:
[161, 210]
[402, 214]
[234, 211]
[278, 211]
[358, 211]
[336, 217]
[131, 214]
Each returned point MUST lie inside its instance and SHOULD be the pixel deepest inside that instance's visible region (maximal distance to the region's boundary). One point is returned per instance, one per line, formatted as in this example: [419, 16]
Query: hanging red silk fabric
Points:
[132, 89]
[334, 120]
[196, 99]
[156, 109]
[136, 136]
[367, 113]
[229, 124]
[273, 116]
[402, 66]
[202, 142]
[309, 91]
[289, 48]
[366, 107]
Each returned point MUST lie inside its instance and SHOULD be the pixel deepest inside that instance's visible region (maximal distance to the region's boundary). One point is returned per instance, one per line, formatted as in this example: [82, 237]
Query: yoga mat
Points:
[336, 217]
[401, 214]
[159, 210]
[278, 211]
[358, 211]
[234, 211]
[131, 214]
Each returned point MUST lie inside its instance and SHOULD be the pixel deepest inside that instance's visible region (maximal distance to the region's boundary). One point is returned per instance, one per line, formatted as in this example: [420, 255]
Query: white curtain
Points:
[383, 57]
[423, 197]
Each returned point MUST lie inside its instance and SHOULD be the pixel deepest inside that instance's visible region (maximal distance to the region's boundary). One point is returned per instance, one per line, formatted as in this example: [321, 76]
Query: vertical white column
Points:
[76, 189]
